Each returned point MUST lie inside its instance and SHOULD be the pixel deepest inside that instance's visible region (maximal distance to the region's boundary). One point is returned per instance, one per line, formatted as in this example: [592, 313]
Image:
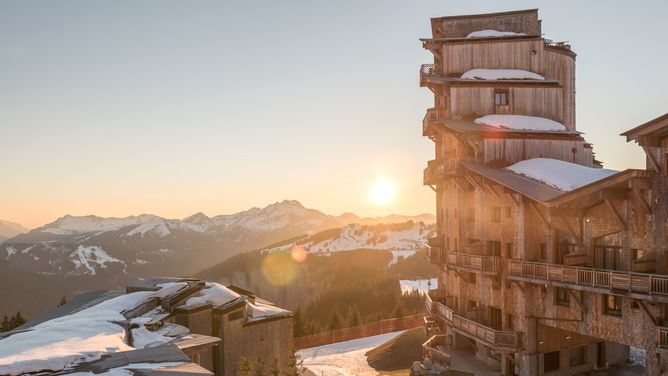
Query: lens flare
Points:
[279, 269]
[298, 253]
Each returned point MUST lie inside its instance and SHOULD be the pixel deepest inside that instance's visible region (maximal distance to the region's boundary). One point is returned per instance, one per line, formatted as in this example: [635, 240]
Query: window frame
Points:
[616, 309]
[500, 94]
[563, 301]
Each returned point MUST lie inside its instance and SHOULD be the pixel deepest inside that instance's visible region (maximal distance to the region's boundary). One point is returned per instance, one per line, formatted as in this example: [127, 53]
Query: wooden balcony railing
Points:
[662, 337]
[640, 283]
[501, 339]
[438, 169]
[437, 349]
[485, 264]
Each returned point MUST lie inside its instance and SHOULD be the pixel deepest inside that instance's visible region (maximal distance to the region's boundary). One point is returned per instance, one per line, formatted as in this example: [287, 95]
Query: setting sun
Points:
[382, 192]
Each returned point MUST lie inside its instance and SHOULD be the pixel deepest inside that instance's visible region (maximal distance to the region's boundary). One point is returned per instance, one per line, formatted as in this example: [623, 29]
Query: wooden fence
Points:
[360, 331]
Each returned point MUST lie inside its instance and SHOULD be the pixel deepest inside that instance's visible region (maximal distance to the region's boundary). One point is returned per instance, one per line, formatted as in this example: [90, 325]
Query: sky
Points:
[123, 107]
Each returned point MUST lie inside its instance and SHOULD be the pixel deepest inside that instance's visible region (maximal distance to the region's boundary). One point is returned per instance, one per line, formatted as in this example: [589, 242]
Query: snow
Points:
[82, 336]
[559, 174]
[521, 123]
[158, 226]
[69, 224]
[421, 285]
[127, 370]
[213, 293]
[11, 250]
[343, 358]
[406, 253]
[500, 74]
[91, 257]
[259, 311]
[492, 34]
[274, 216]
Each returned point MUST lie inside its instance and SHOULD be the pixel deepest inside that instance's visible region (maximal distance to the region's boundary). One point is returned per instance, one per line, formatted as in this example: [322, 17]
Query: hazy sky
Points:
[172, 107]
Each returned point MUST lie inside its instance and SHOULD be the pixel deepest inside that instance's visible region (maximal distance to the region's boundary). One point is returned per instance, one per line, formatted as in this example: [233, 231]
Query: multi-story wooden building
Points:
[548, 264]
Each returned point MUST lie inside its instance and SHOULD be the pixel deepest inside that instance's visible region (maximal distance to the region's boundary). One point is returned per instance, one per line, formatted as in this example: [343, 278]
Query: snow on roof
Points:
[260, 311]
[501, 74]
[521, 123]
[213, 293]
[82, 336]
[492, 34]
[562, 175]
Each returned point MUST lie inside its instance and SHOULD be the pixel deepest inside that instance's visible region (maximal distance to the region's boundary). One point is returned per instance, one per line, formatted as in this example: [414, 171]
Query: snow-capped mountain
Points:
[10, 229]
[88, 245]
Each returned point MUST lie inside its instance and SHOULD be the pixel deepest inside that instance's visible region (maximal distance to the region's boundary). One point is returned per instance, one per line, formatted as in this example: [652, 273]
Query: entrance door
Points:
[600, 355]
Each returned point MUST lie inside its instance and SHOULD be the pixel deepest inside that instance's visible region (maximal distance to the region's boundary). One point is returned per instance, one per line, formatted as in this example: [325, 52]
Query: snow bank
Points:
[500, 74]
[343, 358]
[213, 293]
[421, 285]
[82, 336]
[259, 311]
[492, 34]
[521, 123]
[562, 175]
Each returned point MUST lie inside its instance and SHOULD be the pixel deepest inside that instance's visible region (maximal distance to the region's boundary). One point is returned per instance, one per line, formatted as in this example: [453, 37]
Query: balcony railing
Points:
[662, 337]
[437, 349]
[640, 283]
[485, 264]
[438, 169]
[502, 339]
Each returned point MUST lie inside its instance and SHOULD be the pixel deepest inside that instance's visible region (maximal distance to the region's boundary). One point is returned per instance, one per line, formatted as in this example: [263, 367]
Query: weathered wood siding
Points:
[561, 66]
[533, 101]
[515, 150]
[459, 27]
[458, 58]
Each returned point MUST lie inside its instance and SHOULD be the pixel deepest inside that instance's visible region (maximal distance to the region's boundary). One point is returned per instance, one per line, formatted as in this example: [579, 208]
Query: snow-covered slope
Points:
[400, 236]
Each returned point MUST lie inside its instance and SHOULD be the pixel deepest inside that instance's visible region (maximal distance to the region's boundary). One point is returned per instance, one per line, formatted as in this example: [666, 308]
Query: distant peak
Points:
[196, 217]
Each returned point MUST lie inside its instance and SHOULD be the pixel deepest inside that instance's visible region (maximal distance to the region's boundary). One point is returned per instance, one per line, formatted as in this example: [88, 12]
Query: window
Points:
[561, 297]
[551, 361]
[496, 215]
[494, 248]
[509, 250]
[473, 304]
[470, 215]
[471, 277]
[509, 212]
[612, 305]
[509, 322]
[501, 97]
[577, 355]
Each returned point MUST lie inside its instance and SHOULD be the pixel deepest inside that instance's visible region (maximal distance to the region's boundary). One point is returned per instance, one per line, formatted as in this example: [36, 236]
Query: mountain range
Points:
[10, 229]
[111, 252]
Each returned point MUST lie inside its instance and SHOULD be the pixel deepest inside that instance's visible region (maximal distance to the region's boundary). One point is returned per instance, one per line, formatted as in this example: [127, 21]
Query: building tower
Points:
[548, 264]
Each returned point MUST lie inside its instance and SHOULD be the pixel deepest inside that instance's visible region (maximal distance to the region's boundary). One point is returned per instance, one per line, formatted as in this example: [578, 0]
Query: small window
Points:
[471, 277]
[509, 212]
[501, 97]
[496, 215]
[509, 250]
[577, 355]
[551, 361]
[473, 304]
[612, 305]
[561, 297]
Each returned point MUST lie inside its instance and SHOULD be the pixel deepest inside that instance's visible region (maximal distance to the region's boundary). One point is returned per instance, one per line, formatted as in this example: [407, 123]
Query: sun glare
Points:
[382, 192]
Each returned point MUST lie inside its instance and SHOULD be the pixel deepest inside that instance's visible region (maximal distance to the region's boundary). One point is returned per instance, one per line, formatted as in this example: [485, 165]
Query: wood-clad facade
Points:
[534, 279]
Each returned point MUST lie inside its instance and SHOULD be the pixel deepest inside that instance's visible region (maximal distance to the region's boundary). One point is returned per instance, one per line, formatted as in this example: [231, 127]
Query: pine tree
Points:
[298, 328]
[400, 311]
[294, 365]
[354, 317]
[4, 327]
[19, 319]
[336, 322]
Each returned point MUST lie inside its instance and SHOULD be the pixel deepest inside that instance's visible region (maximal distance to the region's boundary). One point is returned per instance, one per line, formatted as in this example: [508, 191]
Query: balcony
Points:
[428, 73]
[639, 285]
[437, 349]
[436, 250]
[503, 340]
[475, 263]
[430, 118]
[439, 169]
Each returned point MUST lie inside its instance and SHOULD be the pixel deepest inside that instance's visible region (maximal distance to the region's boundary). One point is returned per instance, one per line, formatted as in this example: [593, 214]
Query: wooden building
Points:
[548, 264]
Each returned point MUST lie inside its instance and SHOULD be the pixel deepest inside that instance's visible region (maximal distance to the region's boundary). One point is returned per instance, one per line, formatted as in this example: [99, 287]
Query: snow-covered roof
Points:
[500, 74]
[521, 123]
[492, 34]
[562, 175]
[261, 311]
[214, 294]
[82, 336]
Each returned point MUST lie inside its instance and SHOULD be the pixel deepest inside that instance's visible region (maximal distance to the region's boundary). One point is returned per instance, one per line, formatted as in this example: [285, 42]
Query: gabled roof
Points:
[654, 129]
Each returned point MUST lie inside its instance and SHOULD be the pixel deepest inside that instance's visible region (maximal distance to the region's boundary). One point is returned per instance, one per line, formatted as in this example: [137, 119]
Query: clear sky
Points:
[173, 107]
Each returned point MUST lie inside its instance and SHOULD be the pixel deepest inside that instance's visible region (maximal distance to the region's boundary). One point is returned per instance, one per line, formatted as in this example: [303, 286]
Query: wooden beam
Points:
[577, 299]
[565, 212]
[474, 183]
[491, 189]
[432, 187]
[647, 312]
[615, 213]
[516, 199]
[651, 159]
[643, 203]
[570, 229]
[537, 211]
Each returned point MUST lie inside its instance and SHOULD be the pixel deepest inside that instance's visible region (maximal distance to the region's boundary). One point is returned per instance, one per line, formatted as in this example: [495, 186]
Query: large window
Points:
[551, 361]
[577, 355]
[612, 305]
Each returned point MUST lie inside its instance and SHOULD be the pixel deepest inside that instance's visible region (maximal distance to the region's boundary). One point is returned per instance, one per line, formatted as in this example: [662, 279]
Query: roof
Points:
[528, 187]
[167, 353]
[486, 15]
[619, 179]
[463, 126]
[655, 128]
